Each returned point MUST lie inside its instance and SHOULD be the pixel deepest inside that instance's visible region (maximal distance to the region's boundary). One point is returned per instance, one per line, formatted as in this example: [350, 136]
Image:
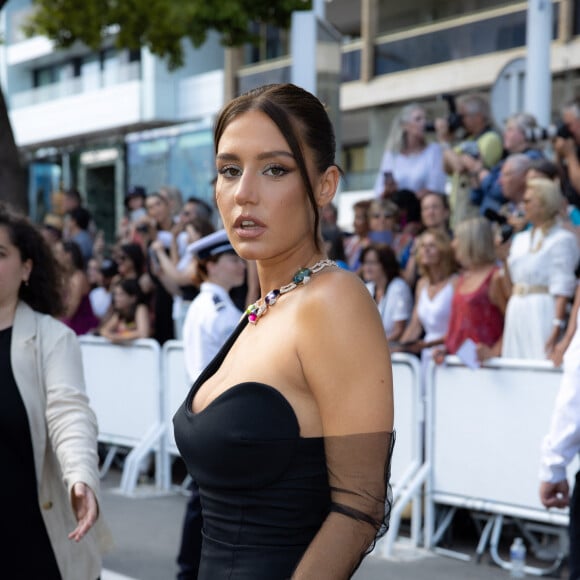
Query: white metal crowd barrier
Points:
[124, 387]
[484, 433]
[483, 429]
[176, 385]
[135, 390]
[408, 472]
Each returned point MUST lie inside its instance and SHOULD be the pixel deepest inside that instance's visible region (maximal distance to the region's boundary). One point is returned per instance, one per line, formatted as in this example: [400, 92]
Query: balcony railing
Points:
[457, 38]
[476, 34]
[76, 85]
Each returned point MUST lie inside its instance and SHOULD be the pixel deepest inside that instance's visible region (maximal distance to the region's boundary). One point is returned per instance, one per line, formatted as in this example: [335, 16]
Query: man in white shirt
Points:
[562, 443]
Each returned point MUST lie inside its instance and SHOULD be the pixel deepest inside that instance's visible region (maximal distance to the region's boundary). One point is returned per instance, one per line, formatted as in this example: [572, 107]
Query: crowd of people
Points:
[403, 243]
[469, 243]
[498, 275]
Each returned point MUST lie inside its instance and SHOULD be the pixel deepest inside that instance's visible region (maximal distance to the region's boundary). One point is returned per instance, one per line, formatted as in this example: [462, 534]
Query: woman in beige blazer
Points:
[49, 442]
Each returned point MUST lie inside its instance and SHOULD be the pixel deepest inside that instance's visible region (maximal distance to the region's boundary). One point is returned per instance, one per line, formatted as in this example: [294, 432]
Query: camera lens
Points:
[563, 131]
[506, 232]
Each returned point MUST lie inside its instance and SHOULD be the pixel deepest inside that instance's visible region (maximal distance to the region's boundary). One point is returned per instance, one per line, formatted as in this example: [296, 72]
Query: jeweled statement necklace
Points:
[256, 310]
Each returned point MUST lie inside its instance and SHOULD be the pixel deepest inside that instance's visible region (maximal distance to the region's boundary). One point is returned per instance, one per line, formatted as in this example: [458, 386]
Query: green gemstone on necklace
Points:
[255, 311]
[301, 275]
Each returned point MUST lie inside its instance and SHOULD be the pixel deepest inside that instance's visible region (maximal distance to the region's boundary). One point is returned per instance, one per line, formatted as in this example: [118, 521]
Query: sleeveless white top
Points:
[434, 314]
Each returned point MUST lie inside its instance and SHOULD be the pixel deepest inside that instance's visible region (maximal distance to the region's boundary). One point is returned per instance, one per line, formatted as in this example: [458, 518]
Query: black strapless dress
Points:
[264, 489]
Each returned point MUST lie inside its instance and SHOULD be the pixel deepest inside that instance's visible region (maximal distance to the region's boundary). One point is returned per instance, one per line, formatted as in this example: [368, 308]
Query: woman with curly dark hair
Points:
[49, 443]
[43, 290]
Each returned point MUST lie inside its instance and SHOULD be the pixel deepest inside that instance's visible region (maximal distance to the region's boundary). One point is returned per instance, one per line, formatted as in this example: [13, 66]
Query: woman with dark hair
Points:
[288, 431]
[78, 312]
[130, 261]
[130, 319]
[49, 442]
[380, 271]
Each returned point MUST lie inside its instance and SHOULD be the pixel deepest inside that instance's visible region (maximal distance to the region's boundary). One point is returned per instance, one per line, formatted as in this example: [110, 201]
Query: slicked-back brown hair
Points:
[302, 120]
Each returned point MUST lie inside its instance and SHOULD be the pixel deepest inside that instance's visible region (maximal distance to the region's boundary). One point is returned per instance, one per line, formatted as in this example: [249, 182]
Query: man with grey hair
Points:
[567, 151]
[481, 148]
[513, 183]
[517, 138]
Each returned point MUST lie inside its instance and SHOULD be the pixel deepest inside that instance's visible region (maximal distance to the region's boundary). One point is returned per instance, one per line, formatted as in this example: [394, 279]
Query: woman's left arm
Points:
[346, 363]
[559, 323]
[497, 294]
[71, 423]
[562, 262]
[398, 329]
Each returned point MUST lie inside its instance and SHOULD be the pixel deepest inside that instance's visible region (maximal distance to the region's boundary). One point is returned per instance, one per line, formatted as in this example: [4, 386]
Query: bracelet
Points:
[559, 322]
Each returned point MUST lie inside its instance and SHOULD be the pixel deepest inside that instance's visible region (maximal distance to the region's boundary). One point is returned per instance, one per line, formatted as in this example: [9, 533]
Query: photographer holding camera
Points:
[480, 149]
[567, 149]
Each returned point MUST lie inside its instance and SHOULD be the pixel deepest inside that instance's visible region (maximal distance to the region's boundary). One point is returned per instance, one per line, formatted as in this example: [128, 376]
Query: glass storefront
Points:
[178, 156]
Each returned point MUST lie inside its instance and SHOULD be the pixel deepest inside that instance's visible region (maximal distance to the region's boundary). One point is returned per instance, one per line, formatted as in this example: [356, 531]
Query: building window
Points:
[272, 43]
[456, 42]
[396, 15]
[44, 76]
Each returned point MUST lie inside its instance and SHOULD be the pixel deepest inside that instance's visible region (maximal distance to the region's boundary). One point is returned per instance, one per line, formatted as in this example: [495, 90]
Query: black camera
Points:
[550, 132]
[454, 119]
[470, 148]
[506, 231]
[142, 228]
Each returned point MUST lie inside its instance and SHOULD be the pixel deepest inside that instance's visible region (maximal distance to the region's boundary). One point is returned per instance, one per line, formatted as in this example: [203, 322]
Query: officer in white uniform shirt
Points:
[210, 319]
[212, 316]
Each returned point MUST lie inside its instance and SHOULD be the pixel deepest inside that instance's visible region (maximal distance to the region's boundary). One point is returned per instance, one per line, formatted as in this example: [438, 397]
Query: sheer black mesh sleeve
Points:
[359, 469]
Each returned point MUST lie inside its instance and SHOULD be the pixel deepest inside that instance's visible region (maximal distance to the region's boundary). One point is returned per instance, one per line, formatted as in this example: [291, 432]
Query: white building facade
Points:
[105, 121]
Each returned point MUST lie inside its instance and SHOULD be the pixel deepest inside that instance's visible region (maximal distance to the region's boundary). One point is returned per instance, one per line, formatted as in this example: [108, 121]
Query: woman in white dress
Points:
[380, 271]
[540, 268]
[433, 296]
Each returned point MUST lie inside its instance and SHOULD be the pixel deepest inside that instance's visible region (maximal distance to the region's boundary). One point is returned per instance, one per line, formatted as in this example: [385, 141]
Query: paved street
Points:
[146, 532]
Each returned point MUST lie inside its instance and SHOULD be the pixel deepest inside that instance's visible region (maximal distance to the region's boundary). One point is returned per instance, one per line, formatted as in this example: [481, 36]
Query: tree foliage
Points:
[160, 25]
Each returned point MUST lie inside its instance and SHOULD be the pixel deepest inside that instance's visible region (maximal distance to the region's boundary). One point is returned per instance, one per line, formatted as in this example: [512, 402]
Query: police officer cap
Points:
[212, 245]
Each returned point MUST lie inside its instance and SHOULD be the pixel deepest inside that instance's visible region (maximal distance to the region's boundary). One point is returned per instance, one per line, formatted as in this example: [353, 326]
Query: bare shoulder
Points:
[339, 308]
[337, 293]
[344, 355]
